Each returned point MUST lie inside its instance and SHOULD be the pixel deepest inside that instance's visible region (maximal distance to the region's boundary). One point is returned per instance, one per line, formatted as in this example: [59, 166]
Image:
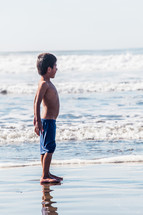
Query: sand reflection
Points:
[47, 200]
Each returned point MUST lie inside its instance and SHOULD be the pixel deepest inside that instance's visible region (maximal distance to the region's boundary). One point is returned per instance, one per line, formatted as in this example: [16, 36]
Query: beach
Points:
[71, 82]
[86, 189]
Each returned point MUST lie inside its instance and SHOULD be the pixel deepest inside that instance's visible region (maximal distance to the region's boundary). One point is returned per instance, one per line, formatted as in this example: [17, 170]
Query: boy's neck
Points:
[45, 78]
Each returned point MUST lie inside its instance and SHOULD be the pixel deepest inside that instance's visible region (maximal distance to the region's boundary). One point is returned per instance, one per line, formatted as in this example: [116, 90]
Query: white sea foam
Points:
[107, 160]
[21, 88]
[25, 63]
[17, 63]
[89, 87]
[78, 132]
[75, 87]
[101, 131]
[13, 165]
[102, 63]
[116, 159]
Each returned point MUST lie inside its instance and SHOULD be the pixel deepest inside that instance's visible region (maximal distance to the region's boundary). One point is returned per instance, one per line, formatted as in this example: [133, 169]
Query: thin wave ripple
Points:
[108, 160]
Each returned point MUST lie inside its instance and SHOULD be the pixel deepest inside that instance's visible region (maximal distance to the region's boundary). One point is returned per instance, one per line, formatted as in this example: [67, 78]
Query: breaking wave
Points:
[97, 131]
[75, 87]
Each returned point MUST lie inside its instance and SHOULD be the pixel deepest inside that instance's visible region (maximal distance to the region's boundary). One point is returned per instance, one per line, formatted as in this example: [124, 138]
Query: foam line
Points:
[113, 160]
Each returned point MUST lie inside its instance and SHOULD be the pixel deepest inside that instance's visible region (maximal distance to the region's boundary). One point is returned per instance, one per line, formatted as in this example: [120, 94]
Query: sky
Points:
[34, 25]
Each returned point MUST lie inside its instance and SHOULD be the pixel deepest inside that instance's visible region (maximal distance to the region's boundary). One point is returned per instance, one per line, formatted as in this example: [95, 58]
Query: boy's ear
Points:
[49, 69]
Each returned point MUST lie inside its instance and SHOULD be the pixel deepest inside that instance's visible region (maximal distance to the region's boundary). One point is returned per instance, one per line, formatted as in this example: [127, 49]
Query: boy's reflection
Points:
[47, 207]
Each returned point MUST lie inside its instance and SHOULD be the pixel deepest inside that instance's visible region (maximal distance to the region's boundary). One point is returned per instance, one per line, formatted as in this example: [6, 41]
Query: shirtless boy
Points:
[45, 125]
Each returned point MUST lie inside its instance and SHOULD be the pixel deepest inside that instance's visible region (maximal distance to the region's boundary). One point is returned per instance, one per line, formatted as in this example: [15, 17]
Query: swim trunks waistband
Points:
[48, 119]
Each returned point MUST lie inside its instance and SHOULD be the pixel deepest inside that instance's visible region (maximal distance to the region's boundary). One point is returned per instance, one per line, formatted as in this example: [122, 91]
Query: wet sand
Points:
[86, 189]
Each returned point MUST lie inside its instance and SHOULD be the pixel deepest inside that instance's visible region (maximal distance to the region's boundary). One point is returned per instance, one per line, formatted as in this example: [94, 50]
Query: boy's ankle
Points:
[45, 176]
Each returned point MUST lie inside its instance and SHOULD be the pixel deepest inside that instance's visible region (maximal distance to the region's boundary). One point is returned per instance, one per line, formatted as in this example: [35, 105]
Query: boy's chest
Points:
[52, 93]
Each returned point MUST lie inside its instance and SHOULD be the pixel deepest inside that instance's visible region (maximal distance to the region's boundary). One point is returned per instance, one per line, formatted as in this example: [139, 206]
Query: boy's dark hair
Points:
[44, 61]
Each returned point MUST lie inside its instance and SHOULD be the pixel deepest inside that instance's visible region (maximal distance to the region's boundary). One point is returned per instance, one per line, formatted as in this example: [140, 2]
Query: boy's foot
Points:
[49, 180]
[56, 177]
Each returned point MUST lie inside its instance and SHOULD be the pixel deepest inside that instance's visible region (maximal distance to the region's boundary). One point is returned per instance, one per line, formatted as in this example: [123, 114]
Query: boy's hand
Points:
[38, 128]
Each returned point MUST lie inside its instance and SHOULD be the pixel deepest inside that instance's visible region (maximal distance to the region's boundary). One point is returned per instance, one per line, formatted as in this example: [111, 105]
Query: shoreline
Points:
[94, 189]
[124, 159]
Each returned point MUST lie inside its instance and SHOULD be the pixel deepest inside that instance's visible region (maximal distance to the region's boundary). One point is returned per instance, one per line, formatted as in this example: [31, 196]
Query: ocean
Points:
[101, 107]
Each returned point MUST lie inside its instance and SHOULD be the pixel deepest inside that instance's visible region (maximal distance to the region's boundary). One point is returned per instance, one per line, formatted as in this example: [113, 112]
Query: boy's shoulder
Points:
[43, 84]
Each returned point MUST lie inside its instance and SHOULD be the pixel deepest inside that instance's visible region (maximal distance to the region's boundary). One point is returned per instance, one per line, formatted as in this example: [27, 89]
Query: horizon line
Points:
[72, 50]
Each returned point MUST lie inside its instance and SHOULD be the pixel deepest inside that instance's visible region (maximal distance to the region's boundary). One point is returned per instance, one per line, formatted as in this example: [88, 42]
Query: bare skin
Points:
[47, 94]
[51, 175]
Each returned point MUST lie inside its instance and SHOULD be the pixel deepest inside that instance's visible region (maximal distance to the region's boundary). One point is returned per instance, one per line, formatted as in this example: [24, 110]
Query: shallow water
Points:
[101, 95]
[86, 189]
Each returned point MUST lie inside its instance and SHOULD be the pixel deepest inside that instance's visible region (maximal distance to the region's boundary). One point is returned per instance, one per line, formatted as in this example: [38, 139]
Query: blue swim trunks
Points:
[47, 138]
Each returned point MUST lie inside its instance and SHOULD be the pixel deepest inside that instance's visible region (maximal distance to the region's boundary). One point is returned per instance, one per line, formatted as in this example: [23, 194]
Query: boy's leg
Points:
[46, 164]
[46, 161]
[42, 156]
[50, 175]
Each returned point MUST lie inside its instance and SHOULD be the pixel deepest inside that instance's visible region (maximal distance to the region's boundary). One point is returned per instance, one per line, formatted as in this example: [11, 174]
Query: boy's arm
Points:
[34, 121]
[39, 96]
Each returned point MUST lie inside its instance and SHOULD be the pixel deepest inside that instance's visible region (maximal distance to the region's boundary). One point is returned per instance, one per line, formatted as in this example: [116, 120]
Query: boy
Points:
[45, 126]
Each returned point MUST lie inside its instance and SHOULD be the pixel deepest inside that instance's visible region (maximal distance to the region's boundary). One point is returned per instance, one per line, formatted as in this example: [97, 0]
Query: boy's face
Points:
[52, 71]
